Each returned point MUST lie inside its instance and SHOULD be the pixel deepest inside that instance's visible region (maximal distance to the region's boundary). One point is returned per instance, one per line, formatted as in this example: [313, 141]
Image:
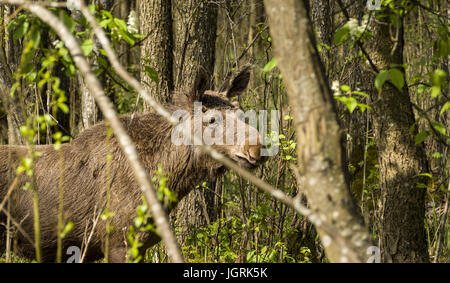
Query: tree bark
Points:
[402, 235]
[322, 19]
[320, 150]
[155, 20]
[195, 38]
[10, 54]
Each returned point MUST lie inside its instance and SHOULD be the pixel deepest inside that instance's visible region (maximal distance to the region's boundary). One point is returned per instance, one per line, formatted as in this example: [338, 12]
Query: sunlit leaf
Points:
[87, 46]
[341, 34]
[420, 137]
[270, 65]
[397, 78]
[381, 79]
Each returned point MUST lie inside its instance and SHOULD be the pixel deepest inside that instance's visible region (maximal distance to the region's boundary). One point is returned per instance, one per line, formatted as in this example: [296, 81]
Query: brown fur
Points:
[85, 178]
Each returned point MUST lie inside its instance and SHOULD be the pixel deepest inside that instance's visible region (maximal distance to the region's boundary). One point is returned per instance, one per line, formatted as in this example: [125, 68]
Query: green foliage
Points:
[341, 34]
[351, 99]
[142, 224]
[395, 76]
[152, 73]
[143, 221]
[118, 28]
[270, 65]
[420, 137]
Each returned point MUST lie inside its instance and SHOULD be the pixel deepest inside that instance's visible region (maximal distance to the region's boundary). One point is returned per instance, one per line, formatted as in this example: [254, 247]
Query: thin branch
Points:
[11, 188]
[17, 224]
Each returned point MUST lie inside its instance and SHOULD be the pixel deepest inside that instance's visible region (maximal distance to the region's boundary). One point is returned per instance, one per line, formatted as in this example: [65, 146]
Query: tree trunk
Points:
[10, 54]
[195, 38]
[402, 235]
[88, 109]
[322, 19]
[320, 150]
[155, 20]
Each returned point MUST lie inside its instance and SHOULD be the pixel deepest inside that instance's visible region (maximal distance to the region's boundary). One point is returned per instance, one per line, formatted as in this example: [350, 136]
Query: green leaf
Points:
[425, 175]
[345, 88]
[435, 91]
[439, 127]
[397, 78]
[363, 94]
[13, 89]
[381, 79]
[270, 65]
[442, 47]
[63, 107]
[120, 24]
[35, 37]
[152, 73]
[438, 77]
[445, 108]
[67, 229]
[20, 31]
[420, 137]
[106, 14]
[69, 22]
[87, 46]
[421, 88]
[341, 34]
[364, 107]
[351, 104]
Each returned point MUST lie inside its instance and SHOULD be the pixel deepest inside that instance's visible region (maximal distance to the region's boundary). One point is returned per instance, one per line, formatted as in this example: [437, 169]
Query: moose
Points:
[84, 177]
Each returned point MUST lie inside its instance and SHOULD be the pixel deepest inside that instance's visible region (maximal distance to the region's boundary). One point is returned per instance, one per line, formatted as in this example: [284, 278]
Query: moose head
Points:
[216, 119]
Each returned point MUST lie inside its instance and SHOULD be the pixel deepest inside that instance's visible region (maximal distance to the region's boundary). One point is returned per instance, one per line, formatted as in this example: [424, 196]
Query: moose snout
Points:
[251, 155]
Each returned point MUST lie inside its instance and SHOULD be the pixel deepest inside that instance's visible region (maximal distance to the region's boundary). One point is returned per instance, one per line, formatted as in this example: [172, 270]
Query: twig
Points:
[25, 234]
[11, 188]
[94, 224]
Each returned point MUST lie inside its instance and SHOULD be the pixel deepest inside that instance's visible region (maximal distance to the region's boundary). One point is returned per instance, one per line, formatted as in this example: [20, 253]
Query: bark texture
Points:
[155, 21]
[403, 236]
[195, 39]
[10, 54]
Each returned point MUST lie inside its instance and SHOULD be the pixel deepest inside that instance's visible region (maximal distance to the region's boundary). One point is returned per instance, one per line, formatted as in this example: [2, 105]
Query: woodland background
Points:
[387, 69]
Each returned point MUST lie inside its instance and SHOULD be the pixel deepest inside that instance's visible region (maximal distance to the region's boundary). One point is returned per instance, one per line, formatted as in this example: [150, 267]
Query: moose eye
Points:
[212, 120]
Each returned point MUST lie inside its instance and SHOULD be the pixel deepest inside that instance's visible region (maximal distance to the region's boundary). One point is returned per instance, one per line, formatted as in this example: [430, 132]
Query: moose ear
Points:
[237, 82]
[199, 88]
